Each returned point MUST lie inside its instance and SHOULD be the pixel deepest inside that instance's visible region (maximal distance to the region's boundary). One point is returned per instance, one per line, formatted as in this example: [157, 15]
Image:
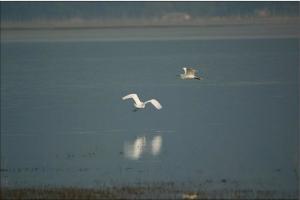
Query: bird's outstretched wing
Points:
[134, 97]
[155, 103]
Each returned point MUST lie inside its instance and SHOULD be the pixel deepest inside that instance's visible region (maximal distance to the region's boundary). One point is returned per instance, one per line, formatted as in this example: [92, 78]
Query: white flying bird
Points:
[138, 104]
[189, 73]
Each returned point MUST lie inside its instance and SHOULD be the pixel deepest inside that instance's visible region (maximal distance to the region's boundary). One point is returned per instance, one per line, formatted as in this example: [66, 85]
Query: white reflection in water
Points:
[134, 150]
[156, 145]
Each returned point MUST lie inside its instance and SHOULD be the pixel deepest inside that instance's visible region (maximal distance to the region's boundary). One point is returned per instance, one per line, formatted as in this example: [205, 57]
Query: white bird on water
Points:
[189, 73]
[138, 104]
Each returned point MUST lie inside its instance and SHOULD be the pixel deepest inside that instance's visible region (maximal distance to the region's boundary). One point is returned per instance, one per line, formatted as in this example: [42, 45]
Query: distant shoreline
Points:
[212, 28]
[76, 23]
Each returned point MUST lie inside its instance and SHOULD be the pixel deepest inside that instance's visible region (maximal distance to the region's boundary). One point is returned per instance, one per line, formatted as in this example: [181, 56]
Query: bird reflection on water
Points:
[135, 149]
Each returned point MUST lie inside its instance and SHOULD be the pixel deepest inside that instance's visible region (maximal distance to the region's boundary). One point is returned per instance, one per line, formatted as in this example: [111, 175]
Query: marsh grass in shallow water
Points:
[159, 191]
[56, 193]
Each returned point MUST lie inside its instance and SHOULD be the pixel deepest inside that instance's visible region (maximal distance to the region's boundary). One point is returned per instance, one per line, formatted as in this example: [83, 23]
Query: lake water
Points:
[63, 122]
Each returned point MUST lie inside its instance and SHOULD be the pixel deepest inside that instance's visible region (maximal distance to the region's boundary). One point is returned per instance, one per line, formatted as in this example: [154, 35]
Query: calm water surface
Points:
[63, 122]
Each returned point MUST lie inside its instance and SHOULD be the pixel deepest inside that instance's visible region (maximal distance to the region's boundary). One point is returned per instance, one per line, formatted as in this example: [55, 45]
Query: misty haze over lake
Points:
[107, 14]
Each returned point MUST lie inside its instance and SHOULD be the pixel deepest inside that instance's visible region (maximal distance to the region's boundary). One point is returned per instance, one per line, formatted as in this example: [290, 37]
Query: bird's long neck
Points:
[139, 105]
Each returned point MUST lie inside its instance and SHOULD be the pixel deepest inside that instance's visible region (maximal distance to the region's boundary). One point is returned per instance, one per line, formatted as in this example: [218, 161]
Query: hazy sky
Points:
[59, 10]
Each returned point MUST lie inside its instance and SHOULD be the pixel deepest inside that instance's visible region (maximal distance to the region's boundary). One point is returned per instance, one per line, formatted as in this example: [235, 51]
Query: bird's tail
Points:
[198, 78]
[135, 109]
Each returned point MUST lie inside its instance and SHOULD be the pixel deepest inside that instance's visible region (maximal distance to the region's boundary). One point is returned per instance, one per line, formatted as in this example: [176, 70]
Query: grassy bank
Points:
[138, 192]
